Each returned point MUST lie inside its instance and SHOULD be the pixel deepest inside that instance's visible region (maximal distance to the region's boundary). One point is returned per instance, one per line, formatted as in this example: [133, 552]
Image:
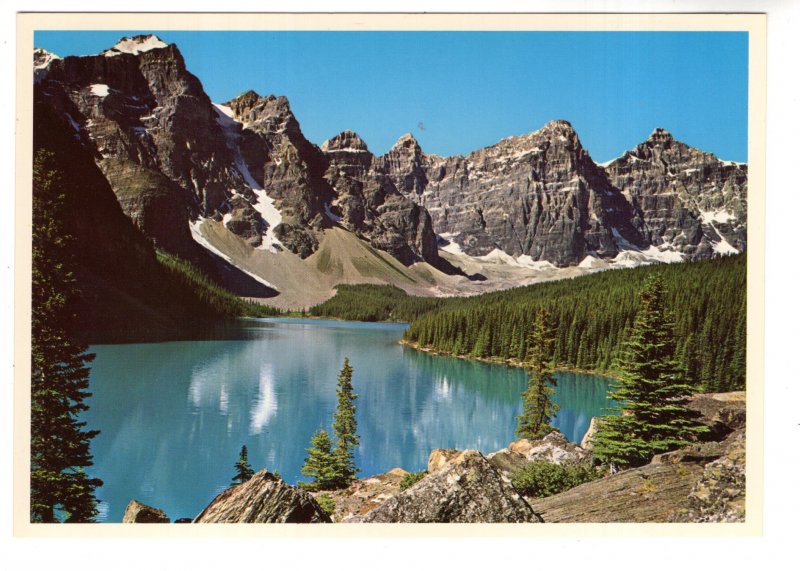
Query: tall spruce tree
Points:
[344, 427]
[651, 393]
[61, 490]
[320, 464]
[538, 408]
[243, 470]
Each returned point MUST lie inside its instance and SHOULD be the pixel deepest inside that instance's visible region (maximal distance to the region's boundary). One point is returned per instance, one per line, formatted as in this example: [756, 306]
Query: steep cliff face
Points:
[281, 166]
[176, 162]
[152, 130]
[173, 158]
[683, 198]
[538, 195]
[369, 203]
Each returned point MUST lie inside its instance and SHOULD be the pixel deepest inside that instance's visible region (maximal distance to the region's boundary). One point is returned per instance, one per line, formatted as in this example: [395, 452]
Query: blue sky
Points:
[460, 91]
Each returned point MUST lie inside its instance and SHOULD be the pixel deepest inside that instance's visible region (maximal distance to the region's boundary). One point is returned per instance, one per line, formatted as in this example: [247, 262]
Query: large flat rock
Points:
[652, 493]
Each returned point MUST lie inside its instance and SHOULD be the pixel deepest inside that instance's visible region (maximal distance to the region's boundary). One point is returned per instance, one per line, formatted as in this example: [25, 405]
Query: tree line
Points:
[651, 394]
[593, 317]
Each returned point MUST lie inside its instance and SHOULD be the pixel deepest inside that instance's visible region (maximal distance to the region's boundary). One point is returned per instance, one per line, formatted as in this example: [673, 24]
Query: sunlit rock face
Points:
[683, 198]
[538, 195]
[174, 159]
[541, 195]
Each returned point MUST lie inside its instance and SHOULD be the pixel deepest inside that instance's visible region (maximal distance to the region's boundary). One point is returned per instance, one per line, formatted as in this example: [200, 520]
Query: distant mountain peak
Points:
[42, 58]
[660, 135]
[407, 142]
[558, 124]
[346, 140]
[136, 45]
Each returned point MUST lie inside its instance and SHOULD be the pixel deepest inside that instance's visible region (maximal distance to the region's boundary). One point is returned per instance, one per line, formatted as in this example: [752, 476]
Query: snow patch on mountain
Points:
[99, 89]
[197, 236]
[592, 262]
[724, 248]
[264, 205]
[135, 45]
[719, 216]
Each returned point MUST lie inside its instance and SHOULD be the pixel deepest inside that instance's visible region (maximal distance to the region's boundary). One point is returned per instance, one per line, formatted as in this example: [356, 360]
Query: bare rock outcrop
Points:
[651, 493]
[538, 194]
[466, 490]
[365, 495]
[263, 499]
[703, 482]
[586, 441]
[719, 494]
[554, 448]
[137, 512]
[683, 198]
[441, 457]
[370, 204]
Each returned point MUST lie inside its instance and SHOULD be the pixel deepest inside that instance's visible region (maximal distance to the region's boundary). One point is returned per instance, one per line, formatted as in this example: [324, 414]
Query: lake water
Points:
[173, 416]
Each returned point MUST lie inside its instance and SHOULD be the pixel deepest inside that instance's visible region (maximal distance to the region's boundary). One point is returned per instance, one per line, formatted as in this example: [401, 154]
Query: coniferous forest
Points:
[592, 315]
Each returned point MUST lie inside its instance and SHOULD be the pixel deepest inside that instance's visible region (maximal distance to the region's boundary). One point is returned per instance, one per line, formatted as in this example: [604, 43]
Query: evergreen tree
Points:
[243, 470]
[320, 464]
[344, 427]
[538, 408]
[60, 487]
[651, 393]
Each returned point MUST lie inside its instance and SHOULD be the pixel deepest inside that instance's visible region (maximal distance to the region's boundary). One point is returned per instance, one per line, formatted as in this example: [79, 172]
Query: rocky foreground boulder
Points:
[466, 490]
[137, 512]
[704, 482]
[553, 448]
[263, 499]
[365, 495]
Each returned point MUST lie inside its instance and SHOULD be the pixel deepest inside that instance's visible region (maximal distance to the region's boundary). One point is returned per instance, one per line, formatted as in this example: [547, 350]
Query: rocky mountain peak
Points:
[345, 141]
[660, 135]
[136, 45]
[407, 141]
[559, 124]
[246, 99]
[271, 113]
[41, 58]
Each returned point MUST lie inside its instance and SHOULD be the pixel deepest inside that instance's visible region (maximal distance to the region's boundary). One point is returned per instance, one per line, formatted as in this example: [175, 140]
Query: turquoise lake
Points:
[174, 415]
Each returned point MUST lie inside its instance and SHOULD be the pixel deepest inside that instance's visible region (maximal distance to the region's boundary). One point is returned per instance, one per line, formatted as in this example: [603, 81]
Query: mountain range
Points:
[236, 188]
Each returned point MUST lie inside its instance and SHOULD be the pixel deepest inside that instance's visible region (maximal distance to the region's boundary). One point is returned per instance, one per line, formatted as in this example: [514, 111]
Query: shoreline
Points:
[506, 362]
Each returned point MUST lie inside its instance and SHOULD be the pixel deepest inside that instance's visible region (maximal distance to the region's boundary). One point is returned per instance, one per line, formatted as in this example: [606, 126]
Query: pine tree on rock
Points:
[651, 393]
[344, 427]
[243, 470]
[538, 408]
[61, 490]
[320, 464]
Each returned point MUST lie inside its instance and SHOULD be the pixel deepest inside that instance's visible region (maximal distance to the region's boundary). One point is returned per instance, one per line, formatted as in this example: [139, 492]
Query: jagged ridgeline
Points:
[593, 316]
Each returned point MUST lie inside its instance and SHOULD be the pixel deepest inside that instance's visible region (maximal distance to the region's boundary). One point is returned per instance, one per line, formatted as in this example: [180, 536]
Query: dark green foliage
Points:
[243, 470]
[334, 467]
[61, 490]
[651, 392]
[593, 316]
[538, 408]
[365, 302]
[344, 427]
[326, 503]
[411, 478]
[320, 465]
[540, 478]
[209, 298]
